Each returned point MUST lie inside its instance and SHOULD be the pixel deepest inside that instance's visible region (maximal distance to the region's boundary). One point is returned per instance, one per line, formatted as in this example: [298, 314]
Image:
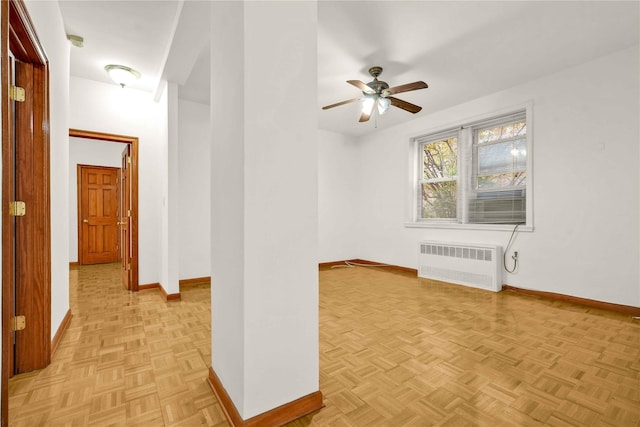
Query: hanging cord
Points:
[506, 251]
[351, 264]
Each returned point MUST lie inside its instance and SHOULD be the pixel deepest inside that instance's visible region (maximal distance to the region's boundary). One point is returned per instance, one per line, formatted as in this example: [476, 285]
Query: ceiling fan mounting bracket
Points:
[376, 85]
[375, 71]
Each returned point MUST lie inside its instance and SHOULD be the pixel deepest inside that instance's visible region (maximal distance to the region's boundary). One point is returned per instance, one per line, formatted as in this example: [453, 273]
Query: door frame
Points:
[133, 142]
[18, 35]
[79, 168]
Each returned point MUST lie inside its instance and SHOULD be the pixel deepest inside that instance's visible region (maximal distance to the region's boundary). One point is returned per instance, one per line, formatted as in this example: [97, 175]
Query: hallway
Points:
[127, 358]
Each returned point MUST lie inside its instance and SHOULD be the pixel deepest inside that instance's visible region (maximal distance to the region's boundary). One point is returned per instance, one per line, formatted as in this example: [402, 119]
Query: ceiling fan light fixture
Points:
[121, 74]
[383, 105]
[367, 104]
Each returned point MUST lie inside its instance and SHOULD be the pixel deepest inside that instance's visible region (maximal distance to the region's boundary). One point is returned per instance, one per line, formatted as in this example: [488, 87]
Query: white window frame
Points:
[466, 171]
[421, 142]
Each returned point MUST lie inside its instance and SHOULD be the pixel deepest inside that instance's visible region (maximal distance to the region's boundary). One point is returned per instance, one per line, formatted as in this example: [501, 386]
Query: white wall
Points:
[194, 177]
[281, 204]
[86, 152]
[586, 185]
[338, 196]
[108, 108]
[227, 198]
[170, 187]
[48, 24]
[264, 227]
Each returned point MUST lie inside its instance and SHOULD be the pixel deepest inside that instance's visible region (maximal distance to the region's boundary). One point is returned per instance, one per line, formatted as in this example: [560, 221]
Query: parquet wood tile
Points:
[395, 350]
[419, 352]
[126, 359]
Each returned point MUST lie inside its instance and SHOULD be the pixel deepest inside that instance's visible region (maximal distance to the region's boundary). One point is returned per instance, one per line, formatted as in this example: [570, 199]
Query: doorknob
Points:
[85, 220]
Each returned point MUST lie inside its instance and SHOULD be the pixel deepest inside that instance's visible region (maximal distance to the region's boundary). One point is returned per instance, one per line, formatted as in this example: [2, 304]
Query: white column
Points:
[264, 202]
[170, 206]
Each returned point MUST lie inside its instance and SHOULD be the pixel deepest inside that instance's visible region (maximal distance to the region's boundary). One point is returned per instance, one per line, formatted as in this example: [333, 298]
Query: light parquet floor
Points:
[395, 350]
[126, 359]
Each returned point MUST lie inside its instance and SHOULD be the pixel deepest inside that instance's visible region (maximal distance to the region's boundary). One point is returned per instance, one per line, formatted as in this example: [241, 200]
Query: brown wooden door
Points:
[12, 220]
[26, 239]
[31, 260]
[98, 215]
[125, 216]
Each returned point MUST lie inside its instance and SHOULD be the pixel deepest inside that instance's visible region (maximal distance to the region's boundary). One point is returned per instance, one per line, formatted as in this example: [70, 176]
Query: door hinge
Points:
[129, 160]
[18, 323]
[128, 267]
[17, 93]
[129, 213]
[17, 208]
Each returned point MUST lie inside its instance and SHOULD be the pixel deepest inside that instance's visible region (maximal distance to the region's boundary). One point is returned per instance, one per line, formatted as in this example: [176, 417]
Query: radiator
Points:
[476, 265]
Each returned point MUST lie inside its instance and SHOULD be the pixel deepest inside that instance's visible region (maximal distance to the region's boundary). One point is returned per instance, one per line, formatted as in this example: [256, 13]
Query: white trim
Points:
[456, 225]
[526, 105]
[436, 180]
[490, 122]
[414, 168]
[438, 136]
[529, 180]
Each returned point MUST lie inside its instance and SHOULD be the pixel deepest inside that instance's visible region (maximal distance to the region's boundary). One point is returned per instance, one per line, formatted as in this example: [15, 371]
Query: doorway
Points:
[127, 222]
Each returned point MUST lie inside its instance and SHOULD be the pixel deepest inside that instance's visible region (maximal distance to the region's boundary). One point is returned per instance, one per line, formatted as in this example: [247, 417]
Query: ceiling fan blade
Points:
[363, 87]
[365, 117]
[337, 104]
[407, 106]
[367, 108]
[404, 88]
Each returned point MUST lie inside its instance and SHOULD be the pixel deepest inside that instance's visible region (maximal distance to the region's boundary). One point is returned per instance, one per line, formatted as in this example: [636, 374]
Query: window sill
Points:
[458, 226]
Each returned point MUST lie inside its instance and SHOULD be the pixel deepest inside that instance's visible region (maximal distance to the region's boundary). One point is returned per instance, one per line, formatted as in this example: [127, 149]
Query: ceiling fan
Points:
[378, 93]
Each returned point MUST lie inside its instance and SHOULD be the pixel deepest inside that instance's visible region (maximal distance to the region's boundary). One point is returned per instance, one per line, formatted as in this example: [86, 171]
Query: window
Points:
[439, 177]
[475, 173]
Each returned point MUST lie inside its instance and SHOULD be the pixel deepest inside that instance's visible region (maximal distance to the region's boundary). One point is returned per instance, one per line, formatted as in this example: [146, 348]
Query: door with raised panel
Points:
[98, 215]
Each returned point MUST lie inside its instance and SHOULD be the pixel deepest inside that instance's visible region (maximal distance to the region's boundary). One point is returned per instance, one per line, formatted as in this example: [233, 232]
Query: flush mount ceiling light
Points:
[122, 75]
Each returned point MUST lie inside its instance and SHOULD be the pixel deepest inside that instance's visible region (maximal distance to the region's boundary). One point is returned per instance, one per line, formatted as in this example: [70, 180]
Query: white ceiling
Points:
[463, 50]
[131, 33]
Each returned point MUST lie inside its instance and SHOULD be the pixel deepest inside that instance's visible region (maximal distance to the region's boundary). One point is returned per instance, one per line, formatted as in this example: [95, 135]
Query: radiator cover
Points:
[475, 265]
